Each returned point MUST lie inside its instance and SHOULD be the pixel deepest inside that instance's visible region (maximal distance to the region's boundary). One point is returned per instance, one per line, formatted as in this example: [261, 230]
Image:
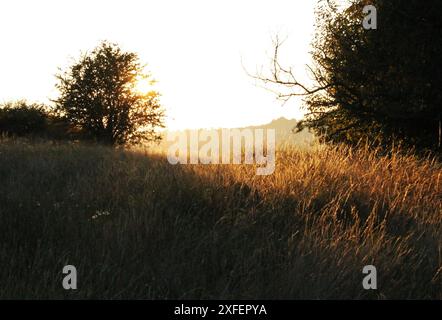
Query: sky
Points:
[196, 50]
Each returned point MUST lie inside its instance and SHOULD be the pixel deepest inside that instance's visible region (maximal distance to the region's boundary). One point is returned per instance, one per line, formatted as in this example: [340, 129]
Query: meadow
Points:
[136, 227]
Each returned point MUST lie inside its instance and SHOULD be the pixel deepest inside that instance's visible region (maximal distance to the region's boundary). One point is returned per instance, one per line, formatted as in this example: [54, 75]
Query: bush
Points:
[33, 120]
[22, 119]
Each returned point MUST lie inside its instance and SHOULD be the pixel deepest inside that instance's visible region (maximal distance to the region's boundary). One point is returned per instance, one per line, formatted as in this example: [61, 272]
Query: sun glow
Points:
[199, 58]
[143, 85]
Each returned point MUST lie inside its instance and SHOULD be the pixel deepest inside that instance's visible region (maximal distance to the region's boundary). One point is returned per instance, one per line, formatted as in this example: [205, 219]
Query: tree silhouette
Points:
[99, 95]
[378, 85]
[20, 119]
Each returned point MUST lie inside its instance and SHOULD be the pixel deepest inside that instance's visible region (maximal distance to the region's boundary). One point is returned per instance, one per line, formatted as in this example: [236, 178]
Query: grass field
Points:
[135, 226]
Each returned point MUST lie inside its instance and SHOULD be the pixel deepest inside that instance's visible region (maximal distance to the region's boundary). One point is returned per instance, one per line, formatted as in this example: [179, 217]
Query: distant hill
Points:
[281, 124]
[285, 134]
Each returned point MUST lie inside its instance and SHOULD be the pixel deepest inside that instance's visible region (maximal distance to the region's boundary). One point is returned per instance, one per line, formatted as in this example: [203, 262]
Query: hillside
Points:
[284, 129]
[135, 226]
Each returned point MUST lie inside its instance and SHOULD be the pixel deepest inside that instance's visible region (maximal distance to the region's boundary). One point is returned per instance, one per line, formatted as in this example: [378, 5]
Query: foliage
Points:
[381, 85]
[22, 119]
[99, 94]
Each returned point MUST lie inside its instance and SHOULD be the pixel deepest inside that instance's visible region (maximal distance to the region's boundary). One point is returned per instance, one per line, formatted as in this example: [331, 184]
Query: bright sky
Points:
[195, 49]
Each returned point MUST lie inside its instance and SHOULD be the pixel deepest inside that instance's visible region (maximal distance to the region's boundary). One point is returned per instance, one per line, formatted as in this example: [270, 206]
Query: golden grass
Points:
[219, 231]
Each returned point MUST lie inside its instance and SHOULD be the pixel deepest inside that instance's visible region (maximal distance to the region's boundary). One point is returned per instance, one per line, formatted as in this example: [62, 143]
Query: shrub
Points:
[22, 119]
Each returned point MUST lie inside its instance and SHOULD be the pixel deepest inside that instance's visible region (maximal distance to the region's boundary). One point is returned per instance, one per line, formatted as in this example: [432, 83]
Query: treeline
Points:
[34, 120]
[99, 100]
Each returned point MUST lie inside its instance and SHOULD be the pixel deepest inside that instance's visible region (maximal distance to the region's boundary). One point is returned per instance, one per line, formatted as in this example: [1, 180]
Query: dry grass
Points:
[199, 231]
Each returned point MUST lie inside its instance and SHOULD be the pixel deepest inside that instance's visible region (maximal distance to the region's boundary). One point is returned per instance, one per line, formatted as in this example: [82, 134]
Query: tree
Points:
[99, 95]
[378, 85]
[22, 119]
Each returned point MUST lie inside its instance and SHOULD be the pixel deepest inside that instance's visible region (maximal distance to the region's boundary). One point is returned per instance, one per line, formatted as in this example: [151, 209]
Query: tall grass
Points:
[135, 226]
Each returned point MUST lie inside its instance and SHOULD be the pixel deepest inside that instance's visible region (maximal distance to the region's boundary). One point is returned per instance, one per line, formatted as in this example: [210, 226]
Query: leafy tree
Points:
[22, 119]
[99, 95]
[379, 85]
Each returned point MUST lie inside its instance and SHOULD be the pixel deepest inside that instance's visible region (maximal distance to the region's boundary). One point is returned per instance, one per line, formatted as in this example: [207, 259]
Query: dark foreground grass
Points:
[136, 227]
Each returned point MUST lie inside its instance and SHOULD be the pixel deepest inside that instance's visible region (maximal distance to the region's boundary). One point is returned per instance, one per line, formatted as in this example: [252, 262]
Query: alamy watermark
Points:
[225, 146]
[370, 21]
[70, 280]
[370, 282]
